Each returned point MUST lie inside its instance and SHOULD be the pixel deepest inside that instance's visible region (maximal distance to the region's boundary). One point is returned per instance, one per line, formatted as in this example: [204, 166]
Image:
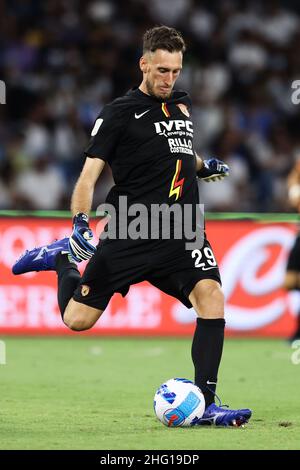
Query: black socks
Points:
[68, 280]
[207, 350]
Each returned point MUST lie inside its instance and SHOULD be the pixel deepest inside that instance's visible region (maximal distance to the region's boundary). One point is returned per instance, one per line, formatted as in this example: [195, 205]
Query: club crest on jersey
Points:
[85, 290]
[183, 108]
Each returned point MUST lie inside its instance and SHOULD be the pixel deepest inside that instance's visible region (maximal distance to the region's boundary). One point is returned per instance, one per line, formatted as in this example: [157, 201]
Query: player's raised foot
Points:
[220, 416]
[41, 258]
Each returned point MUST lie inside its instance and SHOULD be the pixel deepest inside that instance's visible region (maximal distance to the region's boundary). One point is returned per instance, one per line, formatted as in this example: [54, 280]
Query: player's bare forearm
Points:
[83, 193]
[82, 197]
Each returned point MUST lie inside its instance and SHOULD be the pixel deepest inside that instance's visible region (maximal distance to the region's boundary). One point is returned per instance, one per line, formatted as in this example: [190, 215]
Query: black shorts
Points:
[293, 263]
[117, 264]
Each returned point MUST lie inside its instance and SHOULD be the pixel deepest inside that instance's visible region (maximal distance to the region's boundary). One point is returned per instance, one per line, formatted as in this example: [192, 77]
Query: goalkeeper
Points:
[146, 136]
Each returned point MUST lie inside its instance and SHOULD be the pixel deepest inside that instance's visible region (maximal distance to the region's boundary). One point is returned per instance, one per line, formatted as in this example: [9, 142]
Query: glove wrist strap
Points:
[81, 217]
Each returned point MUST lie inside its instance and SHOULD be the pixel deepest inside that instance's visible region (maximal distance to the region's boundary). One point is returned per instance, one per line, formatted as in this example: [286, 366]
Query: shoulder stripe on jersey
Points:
[165, 110]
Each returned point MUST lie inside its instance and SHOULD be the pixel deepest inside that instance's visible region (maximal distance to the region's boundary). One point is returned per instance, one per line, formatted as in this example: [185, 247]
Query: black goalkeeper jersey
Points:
[149, 146]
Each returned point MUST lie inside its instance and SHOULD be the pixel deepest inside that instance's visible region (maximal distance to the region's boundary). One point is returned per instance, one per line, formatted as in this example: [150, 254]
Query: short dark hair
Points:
[163, 37]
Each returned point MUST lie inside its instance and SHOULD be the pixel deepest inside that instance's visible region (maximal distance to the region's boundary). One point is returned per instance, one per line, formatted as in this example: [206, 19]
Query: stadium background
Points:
[63, 60]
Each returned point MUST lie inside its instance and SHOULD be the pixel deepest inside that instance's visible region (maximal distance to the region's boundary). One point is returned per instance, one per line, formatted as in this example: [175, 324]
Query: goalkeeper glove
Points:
[213, 170]
[79, 245]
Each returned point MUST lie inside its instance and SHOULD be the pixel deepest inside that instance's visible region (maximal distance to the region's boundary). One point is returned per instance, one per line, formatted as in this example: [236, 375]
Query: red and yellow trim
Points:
[177, 185]
[165, 110]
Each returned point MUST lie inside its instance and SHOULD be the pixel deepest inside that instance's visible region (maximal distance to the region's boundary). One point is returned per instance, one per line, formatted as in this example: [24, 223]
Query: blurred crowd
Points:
[62, 60]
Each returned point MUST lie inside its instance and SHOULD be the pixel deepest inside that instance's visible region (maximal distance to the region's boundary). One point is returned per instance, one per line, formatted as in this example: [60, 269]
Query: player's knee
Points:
[207, 291]
[80, 317]
[208, 299]
[77, 322]
[213, 300]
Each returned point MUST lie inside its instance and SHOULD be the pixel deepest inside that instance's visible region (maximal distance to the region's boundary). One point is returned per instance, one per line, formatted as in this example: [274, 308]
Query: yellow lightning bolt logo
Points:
[177, 185]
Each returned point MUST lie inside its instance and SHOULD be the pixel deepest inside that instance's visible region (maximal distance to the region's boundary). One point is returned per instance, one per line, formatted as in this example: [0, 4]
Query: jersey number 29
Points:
[204, 260]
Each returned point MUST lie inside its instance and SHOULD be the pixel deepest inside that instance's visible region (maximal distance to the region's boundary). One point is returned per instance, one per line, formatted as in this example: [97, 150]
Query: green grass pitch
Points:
[96, 393]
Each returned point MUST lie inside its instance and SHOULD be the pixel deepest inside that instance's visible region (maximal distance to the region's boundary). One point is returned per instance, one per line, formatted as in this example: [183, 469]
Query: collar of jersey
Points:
[175, 97]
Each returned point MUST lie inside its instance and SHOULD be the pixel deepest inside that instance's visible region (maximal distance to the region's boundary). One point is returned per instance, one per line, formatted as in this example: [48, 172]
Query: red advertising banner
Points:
[251, 257]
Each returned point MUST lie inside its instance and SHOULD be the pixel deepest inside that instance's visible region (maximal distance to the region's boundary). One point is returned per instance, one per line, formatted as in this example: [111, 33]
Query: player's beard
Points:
[151, 92]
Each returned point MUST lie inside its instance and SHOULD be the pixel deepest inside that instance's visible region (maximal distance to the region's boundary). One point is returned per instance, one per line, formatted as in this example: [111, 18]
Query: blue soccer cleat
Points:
[41, 258]
[219, 416]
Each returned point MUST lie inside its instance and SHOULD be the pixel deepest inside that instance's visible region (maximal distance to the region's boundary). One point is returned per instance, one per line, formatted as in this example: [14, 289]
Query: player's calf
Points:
[207, 298]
